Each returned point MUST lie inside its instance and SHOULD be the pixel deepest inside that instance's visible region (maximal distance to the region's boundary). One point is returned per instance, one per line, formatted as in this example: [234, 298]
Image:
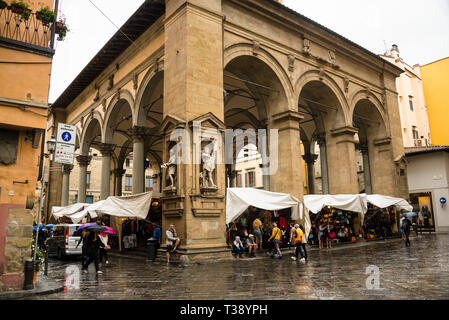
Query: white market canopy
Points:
[239, 199]
[348, 202]
[68, 211]
[382, 201]
[353, 202]
[133, 206]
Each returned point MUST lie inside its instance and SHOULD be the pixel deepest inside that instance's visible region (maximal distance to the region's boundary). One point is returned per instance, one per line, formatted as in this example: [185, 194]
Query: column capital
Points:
[364, 149]
[321, 138]
[83, 161]
[66, 168]
[138, 133]
[345, 130]
[310, 158]
[119, 172]
[106, 149]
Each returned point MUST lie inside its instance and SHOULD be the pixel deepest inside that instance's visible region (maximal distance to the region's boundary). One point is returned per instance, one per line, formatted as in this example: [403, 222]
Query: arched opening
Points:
[253, 93]
[371, 139]
[322, 112]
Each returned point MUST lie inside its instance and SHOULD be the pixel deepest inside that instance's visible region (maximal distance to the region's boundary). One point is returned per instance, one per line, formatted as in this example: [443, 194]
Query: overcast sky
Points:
[419, 27]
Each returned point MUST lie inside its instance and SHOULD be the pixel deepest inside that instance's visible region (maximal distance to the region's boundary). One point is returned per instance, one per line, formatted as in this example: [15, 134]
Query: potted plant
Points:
[61, 29]
[46, 15]
[21, 8]
[3, 4]
[39, 262]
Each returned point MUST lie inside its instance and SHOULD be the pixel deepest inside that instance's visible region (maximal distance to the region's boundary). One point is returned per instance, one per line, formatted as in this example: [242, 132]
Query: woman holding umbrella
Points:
[104, 239]
[93, 244]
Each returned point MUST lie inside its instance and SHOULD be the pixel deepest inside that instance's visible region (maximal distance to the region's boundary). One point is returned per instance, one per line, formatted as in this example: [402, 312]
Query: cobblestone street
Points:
[419, 272]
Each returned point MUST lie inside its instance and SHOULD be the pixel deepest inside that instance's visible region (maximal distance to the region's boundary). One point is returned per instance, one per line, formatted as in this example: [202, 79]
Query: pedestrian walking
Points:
[406, 224]
[257, 228]
[291, 241]
[322, 234]
[157, 234]
[93, 244]
[237, 248]
[104, 250]
[172, 241]
[297, 238]
[303, 241]
[83, 238]
[276, 238]
[420, 221]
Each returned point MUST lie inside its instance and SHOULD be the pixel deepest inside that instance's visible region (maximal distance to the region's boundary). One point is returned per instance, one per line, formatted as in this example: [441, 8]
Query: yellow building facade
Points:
[435, 77]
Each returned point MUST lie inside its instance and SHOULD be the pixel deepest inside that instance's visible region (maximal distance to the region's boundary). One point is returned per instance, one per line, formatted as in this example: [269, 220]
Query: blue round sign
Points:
[66, 136]
[442, 200]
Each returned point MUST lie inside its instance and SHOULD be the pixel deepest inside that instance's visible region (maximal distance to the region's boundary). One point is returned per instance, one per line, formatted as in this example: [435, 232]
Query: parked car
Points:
[63, 241]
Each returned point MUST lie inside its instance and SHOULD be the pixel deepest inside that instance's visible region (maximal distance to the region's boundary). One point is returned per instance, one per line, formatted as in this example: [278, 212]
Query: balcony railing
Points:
[31, 31]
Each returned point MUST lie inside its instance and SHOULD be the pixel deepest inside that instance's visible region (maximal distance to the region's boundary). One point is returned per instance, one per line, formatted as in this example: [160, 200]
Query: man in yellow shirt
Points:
[276, 237]
[258, 232]
[298, 236]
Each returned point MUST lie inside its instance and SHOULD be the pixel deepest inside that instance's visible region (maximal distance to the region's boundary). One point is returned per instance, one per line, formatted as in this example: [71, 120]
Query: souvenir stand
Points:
[340, 213]
[383, 216]
[244, 205]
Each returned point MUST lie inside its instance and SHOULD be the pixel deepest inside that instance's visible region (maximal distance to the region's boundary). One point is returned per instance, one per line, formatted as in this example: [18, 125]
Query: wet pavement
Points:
[418, 272]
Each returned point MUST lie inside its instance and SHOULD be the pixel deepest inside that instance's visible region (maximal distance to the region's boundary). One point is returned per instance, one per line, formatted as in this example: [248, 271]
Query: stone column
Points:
[321, 140]
[65, 184]
[83, 162]
[341, 164]
[138, 135]
[366, 169]
[310, 161]
[106, 152]
[288, 177]
[118, 174]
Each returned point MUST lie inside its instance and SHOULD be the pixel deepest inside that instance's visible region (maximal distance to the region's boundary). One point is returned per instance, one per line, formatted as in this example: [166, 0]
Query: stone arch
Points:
[362, 95]
[246, 49]
[94, 119]
[126, 97]
[318, 76]
[152, 77]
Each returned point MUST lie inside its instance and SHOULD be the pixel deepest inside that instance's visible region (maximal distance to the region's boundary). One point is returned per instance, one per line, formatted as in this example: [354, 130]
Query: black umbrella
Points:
[96, 228]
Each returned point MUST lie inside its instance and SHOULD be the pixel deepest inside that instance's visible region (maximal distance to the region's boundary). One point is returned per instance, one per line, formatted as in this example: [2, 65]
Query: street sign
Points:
[66, 134]
[64, 153]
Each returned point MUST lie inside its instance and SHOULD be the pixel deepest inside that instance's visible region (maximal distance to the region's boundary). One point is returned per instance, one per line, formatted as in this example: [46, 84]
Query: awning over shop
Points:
[348, 202]
[133, 206]
[68, 211]
[239, 199]
[382, 201]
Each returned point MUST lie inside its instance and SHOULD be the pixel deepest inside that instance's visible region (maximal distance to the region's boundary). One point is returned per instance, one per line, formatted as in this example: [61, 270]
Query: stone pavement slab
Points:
[43, 285]
[418, 272]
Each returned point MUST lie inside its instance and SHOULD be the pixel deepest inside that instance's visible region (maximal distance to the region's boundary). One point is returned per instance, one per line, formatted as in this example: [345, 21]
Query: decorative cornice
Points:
[288, 115]
[346, 130]
[382, 142]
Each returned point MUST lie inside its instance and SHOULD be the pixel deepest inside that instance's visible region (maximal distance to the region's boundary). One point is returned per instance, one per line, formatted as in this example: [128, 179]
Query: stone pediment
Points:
[171, 122]
[208, 120]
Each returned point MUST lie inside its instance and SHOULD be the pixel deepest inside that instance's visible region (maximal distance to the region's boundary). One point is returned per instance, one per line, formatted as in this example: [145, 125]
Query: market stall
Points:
[341, 214]
[383, 216]
[126, 214]
[244, 205]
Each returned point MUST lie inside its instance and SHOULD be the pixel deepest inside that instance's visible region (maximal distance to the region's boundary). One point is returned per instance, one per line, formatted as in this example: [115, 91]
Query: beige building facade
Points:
[231, 65]
[412, 105]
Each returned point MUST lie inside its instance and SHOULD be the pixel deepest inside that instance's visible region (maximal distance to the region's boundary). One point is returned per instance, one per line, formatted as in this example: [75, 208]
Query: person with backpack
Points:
[172, 241]
[406, 224]
[276, 238]
[297, 236]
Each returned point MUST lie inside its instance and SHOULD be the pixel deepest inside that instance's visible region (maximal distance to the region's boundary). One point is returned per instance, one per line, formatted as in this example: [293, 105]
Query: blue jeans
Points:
[238, 251]
[276, 246]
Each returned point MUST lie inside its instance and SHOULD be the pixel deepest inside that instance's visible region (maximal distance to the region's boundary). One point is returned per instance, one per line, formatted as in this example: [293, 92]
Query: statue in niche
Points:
[208, 160]
[171, 166]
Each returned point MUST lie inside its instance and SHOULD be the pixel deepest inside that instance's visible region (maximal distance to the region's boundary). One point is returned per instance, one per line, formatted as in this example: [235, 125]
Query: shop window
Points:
[238, 182]
[128, 182]
[250, 179]
[422, 202]
[9, 142]
[148, 184]
[87, 180]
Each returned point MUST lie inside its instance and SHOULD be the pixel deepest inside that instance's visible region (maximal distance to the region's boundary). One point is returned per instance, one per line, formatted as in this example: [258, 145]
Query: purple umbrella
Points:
[81, 227]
